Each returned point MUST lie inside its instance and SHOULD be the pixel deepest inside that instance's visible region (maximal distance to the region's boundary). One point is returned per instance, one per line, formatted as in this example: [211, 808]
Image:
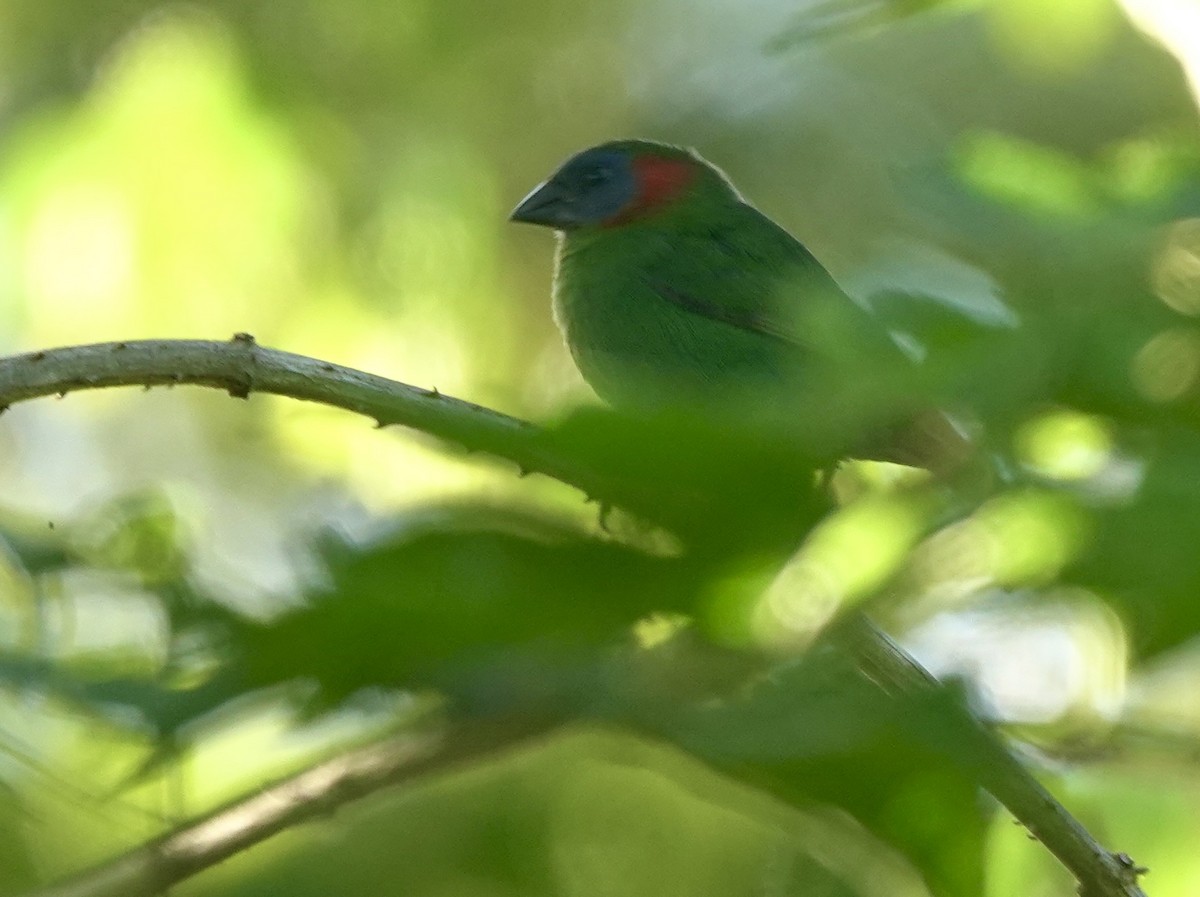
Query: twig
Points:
[241, 367]
[150, 869]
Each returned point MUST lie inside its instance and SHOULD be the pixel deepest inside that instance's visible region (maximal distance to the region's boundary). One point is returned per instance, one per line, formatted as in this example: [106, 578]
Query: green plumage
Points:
[694, 298]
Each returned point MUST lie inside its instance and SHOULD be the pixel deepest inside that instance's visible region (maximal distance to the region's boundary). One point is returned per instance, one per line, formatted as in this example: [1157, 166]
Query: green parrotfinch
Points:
[673, 292]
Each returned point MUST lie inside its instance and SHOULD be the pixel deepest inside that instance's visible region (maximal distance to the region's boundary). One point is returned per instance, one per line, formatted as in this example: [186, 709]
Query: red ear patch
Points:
[659, 181]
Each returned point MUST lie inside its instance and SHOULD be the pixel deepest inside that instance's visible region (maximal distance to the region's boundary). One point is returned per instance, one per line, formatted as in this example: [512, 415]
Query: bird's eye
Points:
[596, 176]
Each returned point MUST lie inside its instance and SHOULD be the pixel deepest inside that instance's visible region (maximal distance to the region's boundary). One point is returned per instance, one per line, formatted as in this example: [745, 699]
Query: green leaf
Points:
[816, 731]
[461, 591]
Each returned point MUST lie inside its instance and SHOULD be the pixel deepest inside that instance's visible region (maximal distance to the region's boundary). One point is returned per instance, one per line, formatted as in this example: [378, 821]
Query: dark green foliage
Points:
[1155, 590]
[459, 598]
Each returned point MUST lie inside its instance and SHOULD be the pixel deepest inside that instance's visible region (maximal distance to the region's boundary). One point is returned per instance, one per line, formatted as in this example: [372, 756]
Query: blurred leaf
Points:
[17, 873]
[1143, 556]
[1056, 41]
[816, 731]
[139, 532]
[39, 552]
[1035, 179]
[458, 595]
[724, 486]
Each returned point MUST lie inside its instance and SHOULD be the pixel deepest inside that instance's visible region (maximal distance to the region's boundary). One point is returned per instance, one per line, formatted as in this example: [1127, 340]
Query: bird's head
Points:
[621, 182]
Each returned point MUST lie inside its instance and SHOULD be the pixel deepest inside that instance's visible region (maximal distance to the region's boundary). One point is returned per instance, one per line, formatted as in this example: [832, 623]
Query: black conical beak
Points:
[545, 205]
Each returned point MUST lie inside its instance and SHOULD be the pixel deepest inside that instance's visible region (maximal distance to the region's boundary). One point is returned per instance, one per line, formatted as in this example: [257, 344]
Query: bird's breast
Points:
[637, 348]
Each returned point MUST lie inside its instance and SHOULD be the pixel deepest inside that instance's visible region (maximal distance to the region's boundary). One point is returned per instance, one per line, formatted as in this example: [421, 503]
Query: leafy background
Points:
[200, 594]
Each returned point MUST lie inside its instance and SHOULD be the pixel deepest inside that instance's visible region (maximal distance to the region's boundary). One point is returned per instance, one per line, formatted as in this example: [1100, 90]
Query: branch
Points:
[317, 792]
[1099, 872]
[241, 367]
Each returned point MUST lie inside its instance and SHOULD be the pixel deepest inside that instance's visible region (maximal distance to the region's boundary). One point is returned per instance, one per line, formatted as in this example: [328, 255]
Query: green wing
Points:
[748, 272]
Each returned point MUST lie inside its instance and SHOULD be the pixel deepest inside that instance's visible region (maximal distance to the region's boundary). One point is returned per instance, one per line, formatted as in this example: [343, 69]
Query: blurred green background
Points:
[335, 178]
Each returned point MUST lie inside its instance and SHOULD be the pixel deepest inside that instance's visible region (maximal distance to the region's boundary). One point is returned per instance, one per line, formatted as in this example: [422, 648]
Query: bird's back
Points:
[724, 306]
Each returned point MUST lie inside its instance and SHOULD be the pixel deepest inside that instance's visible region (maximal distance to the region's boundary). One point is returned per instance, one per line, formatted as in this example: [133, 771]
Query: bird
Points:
[673, 292]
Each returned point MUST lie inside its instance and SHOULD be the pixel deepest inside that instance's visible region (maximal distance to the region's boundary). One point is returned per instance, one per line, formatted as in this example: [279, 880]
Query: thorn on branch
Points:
[240, 389]
[37, 356]
[1128, 863]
